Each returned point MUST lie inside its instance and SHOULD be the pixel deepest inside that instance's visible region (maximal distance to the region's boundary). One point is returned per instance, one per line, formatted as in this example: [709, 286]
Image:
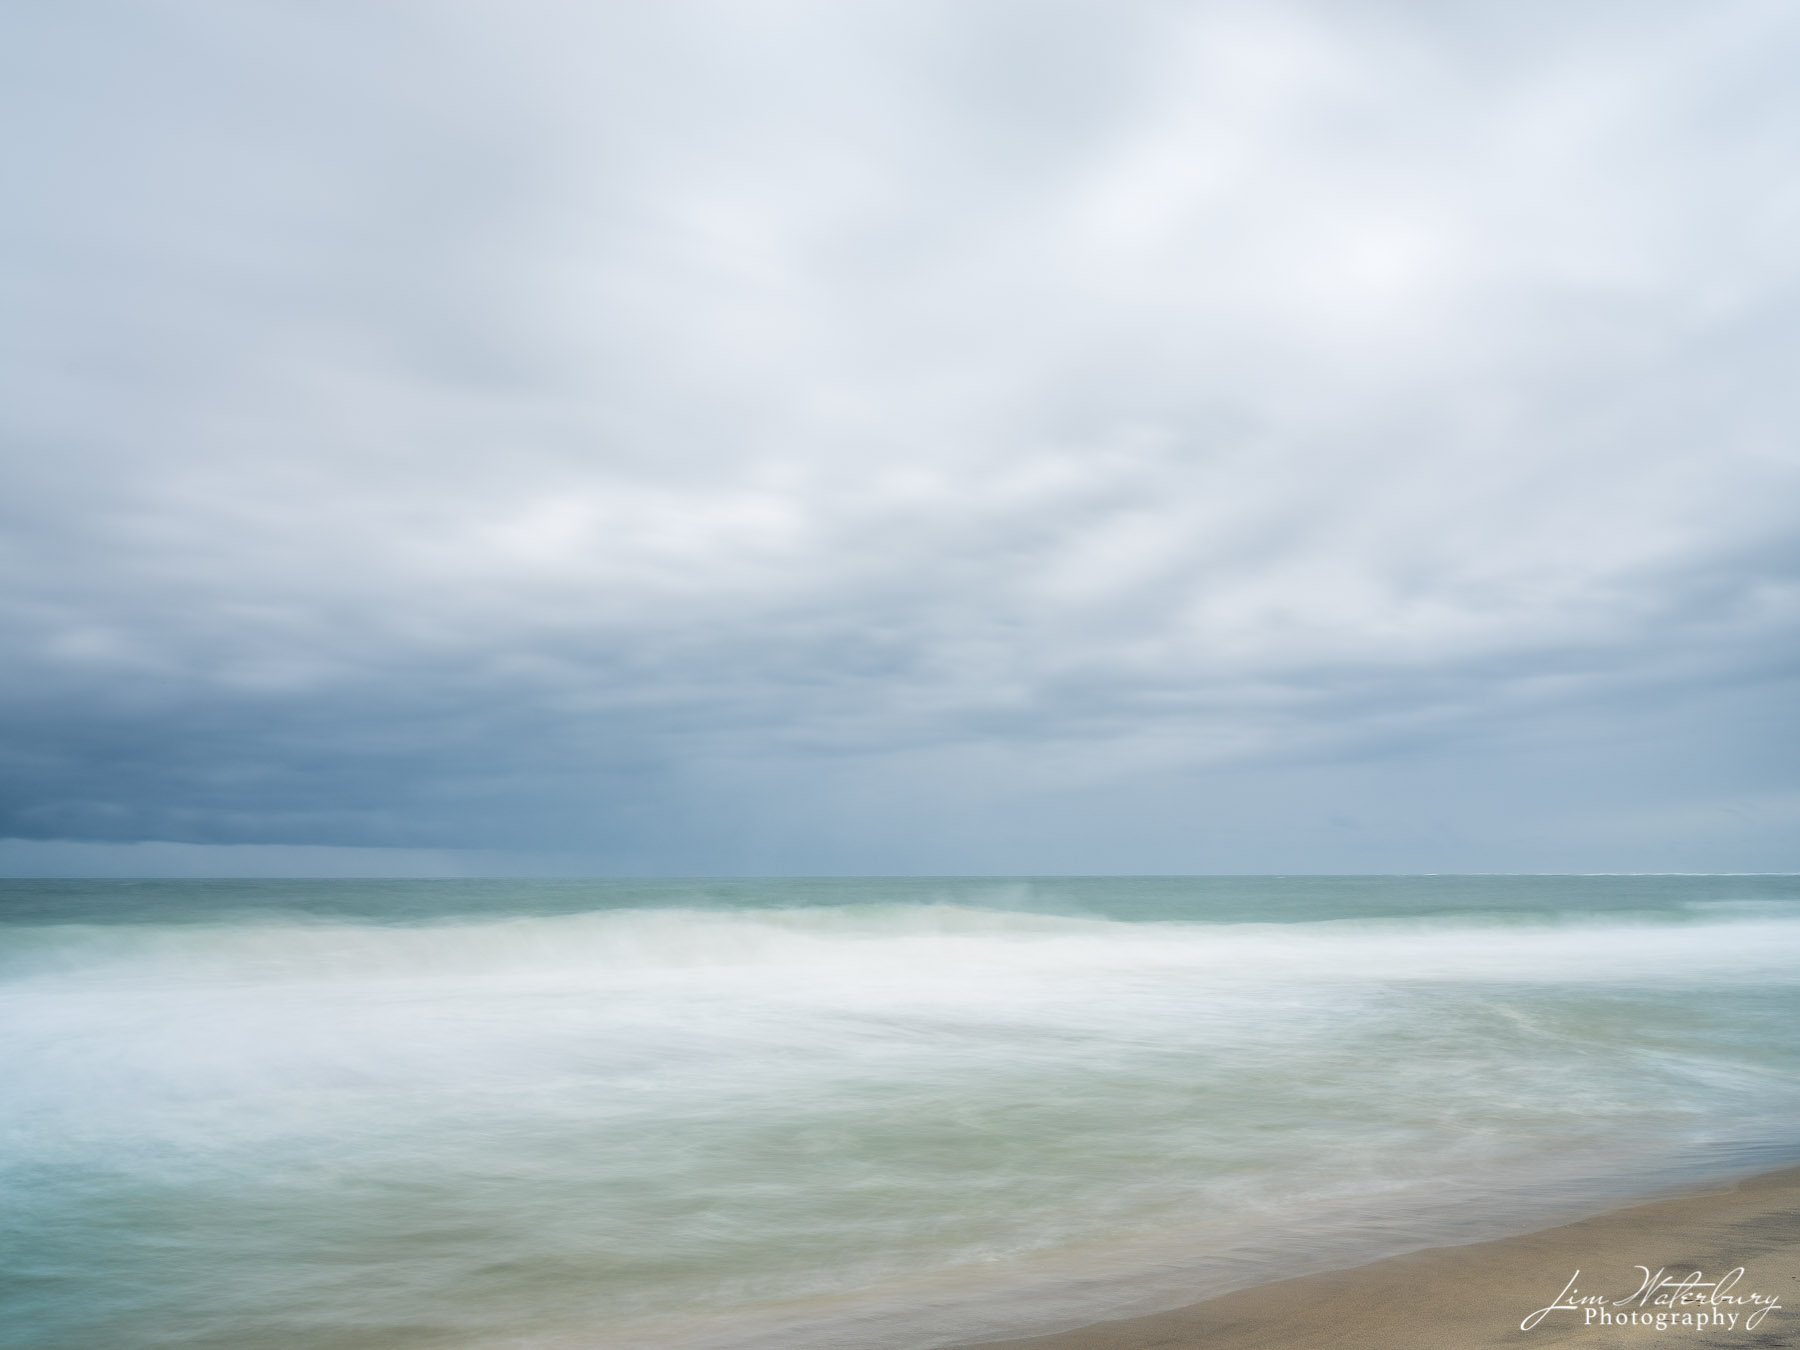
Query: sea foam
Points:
[880, 1116]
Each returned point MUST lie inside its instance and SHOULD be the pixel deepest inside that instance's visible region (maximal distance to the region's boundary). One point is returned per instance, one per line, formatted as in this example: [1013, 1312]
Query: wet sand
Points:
[1465, 1298]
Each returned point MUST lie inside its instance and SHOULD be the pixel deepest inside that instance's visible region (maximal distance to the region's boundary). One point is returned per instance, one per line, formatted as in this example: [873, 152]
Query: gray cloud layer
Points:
[907, 436]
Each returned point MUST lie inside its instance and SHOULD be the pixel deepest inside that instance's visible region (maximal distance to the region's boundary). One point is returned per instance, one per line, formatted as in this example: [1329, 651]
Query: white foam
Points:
[669, 1108]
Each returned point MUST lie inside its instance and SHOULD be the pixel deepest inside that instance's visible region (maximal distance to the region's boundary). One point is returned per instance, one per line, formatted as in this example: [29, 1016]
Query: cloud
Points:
[655, 432]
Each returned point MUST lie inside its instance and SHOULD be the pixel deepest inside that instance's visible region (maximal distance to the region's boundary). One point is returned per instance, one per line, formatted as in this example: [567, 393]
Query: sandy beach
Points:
[1477, 1296]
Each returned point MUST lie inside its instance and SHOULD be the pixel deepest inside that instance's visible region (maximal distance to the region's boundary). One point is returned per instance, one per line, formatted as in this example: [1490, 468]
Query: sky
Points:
[899, 436]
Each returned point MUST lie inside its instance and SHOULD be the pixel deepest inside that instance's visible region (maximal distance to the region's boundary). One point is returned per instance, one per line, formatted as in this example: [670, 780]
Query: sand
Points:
[1459, 1298]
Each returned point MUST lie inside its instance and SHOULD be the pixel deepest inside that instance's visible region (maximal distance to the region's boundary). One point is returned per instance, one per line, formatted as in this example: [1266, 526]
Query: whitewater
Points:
[877, 1114]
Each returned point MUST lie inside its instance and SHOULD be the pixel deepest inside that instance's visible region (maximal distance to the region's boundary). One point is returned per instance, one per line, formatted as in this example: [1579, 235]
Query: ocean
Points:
[863, 1114]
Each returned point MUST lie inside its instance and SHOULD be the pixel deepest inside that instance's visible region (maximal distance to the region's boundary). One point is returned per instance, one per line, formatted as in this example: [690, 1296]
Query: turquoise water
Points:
[848, 1113]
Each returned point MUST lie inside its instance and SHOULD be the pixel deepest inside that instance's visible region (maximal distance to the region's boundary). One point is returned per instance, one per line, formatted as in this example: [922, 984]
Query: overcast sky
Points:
[978, 436]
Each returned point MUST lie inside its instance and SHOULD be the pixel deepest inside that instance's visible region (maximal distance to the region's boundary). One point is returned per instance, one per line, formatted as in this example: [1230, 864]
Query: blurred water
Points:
[884, 1113]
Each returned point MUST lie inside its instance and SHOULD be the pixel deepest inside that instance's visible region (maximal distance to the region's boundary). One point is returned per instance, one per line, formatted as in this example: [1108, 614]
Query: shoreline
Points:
[1475, 1296]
